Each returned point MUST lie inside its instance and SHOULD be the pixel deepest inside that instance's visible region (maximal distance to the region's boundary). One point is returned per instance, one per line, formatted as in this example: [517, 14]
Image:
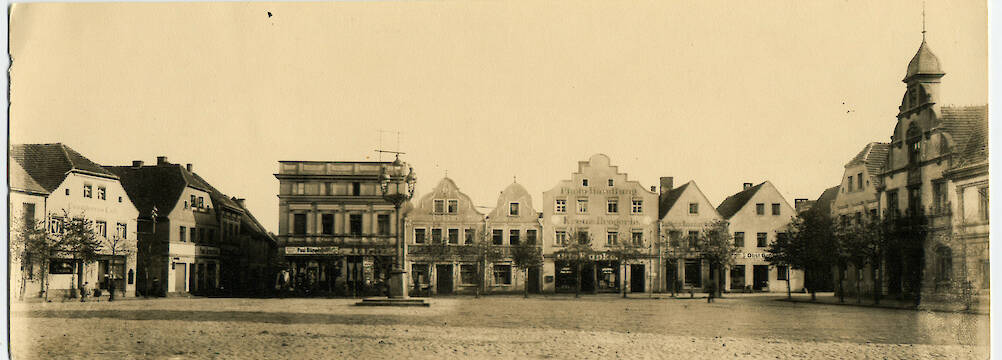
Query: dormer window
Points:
[453, 206]
[584, 182]
[612, 182]
[439, 206]
[513, 209]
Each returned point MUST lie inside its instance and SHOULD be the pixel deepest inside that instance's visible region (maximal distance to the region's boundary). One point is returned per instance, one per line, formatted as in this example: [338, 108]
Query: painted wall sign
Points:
[334, 250]
[595, 191]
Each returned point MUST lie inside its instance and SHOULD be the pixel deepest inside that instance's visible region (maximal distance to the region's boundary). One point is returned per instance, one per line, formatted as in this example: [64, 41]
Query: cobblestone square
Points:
[603, 326]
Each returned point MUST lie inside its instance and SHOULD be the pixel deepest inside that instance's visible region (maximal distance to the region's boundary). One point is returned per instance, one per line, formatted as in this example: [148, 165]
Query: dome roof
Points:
[923, 63]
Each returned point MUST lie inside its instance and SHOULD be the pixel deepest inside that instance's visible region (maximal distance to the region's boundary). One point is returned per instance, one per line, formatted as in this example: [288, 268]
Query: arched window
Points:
[944, 263]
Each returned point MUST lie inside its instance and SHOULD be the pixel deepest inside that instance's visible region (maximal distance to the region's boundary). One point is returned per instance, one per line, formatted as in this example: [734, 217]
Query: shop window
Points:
[497, 236]
[582, 205]
[693, 271]
[355, 224]
[514, 237]
[453, 206]
[454, 236]
[502, 274]
[513, 209]
[775, 209]
[327, 224]
[467, 274]
[439, 206]
[419, 236]
[530, 236]
[560, 206]
[782, 272]
[470, 235]
[760, 209]
[612, 205]
[761, 239]
[436, 236]
[638, 206]
[383, 224]
[61, 266]
[739, 239]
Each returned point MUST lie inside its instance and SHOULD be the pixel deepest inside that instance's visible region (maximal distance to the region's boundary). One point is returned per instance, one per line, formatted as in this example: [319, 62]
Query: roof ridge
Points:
[66, 154]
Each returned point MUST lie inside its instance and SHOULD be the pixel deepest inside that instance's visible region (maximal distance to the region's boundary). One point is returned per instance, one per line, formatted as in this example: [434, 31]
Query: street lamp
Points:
[397, 188]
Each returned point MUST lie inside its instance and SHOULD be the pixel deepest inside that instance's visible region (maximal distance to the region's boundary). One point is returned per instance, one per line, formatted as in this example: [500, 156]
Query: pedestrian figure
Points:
[156, 286]
[83, 292]
[111, 288]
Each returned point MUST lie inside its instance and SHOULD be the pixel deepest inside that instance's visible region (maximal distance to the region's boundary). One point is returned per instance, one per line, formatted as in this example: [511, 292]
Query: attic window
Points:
[67, 191]
[119, 199]
[584, 182]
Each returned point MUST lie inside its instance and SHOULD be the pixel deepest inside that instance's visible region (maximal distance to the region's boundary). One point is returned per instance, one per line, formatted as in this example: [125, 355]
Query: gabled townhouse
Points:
[606, 206]
[179, 245]
[758, 215]
[683, 213]
[79, 188]
[514, 221]
[856, 202]
[444, 216]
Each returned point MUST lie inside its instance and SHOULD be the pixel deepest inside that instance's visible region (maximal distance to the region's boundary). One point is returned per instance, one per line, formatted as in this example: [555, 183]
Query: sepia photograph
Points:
[437, 179]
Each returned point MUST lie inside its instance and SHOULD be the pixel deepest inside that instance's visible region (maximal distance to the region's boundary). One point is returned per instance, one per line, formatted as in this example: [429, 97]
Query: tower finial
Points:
[923, 20]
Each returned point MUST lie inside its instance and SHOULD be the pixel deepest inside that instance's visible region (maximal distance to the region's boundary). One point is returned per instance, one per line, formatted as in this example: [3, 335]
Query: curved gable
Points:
[445, 191]
[514, 193]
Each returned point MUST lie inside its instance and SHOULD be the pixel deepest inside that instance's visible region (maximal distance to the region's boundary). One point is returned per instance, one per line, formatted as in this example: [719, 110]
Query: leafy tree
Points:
[79, 240]
[784, 252]
[30, 244]
[483, 251]
[116, 245]
[577, 251]
[625, 252]
[809, 247]
[525, 256]
[674, 251]
[716, 245]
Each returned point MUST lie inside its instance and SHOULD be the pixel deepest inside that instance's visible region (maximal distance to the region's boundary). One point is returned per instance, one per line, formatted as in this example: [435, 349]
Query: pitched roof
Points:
[21, 181]
[250, 223]
[735, 202]
[873, 157]
[824, 202]
[968, 126]
[668, 199]
[155, 185]
[218, 198]
[48, 164]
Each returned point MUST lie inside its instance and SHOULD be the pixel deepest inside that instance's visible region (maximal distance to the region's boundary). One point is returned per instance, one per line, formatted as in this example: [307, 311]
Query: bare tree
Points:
[717, 246]
[673, 251]
[30, 243]
[577, 252]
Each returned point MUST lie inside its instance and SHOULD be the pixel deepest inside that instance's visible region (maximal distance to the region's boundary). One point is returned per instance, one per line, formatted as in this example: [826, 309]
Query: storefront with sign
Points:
[193, 269]
[338, 269]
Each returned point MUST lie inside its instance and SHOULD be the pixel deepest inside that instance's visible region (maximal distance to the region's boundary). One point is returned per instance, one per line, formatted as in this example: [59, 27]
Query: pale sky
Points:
[720, 92]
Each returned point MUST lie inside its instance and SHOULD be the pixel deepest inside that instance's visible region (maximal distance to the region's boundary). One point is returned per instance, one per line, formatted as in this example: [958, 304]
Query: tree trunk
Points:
[577, 281]
[45, 280]
[525, 283]
[859, 295]
[674, 280]
[476, 291]
[841, 287]
[594, 279]
[789, 294]
[877, 282]
[622, 281]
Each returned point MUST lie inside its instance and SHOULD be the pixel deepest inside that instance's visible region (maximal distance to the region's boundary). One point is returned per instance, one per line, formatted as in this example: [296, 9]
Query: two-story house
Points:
[514, 221]
[758, 215]
[81, 189]
[684, 212]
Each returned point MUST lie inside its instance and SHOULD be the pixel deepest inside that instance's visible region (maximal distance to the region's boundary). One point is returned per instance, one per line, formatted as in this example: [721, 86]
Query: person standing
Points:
[111, 288]
[83, 292]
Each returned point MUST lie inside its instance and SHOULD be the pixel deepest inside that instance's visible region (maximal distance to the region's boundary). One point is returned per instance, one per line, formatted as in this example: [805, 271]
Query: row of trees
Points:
[64, 237]
[816, 243]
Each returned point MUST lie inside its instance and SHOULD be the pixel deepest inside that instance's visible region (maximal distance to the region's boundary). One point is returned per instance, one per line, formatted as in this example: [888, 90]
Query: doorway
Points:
[760, 276]
[588, 277]
[179, 277]
[443, 283]
[637, 278]
[738, 277]
[533, 280]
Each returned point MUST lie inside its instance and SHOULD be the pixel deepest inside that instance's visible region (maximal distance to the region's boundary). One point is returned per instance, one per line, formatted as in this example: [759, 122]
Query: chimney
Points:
[239, 201]
[188, 167]
[162, 160]
[137, 163]
[667, 183]
[747, 186]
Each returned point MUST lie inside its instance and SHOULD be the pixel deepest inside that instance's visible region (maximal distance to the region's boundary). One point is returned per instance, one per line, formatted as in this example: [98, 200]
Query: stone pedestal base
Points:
[398, 284]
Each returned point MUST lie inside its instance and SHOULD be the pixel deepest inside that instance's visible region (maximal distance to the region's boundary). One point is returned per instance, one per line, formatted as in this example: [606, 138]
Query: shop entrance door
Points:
[738, 277]
[443, 273]
[637, 278]
[761, 276]
[179, 277]
[534, 280]
[588, 278]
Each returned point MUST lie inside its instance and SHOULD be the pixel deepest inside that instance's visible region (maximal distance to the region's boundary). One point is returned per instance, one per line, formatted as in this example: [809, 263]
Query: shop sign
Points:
[760, 256]
[334, 250]
[206, 251]
[592, 256]
[606, 221]
[597, 191]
